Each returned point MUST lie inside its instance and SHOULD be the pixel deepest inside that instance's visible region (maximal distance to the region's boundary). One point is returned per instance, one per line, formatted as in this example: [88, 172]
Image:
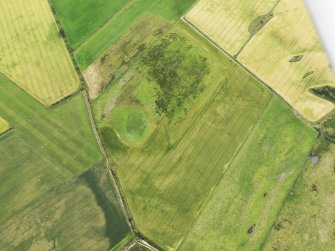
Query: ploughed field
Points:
[33, 53]
[277, 42]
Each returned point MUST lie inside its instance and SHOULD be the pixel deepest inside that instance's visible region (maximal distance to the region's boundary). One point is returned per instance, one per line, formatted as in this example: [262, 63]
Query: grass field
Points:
[94, 47]
[81, 18]
[307, 219]
[46, 148]
[167, 178]
[276, 40]
[288, 56]
[83, 214]
[4, 126]
[228, 22]
[122, 54]
[33, 53]
[269, 162]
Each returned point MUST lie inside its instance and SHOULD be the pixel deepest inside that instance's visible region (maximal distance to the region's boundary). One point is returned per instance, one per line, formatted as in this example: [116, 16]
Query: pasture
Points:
[83, 214]
[96, 45]
[33, 53]
[255, 185]
[307, 219]
[122, 54]
[288, 56]
[228, 22]
[47, 147]
[167, 178]
[4, 126]
[81, 18]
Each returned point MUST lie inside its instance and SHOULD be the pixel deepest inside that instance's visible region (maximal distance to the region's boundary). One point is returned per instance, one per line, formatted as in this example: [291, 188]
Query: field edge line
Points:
[203, 206]
[299, 173]
[218, 47]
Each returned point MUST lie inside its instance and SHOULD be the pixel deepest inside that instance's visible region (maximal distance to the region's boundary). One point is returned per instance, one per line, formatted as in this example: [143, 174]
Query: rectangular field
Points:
[4, 126]
[83, 214]
[81, 18]
[227, 22]
[32, 51]
[311, 198]
[46, 148]
[167, 177]
[255, 185]
[288, 56]
[96, 45]
[276, 40]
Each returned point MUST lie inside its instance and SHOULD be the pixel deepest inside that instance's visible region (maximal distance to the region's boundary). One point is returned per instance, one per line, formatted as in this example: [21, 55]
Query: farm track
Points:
[112, 174]
[252, 35]
[193, 27]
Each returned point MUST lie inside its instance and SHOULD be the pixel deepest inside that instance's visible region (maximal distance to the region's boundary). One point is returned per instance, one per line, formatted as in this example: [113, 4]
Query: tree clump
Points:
[178, 72]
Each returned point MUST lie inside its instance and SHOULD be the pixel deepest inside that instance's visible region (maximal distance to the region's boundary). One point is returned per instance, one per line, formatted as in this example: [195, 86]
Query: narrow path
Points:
[252, 35]
[112, 174]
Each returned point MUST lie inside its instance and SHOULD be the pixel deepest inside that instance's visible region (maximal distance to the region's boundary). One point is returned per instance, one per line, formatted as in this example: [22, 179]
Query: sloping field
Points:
[288, 56]
[167, 178]
[46, 148]
[254, 187]
[81, 18]
[276, 41]
[33, 53]
[307, 219]
[228, 23]
[81, 215]
[4, 126]
[96, 45]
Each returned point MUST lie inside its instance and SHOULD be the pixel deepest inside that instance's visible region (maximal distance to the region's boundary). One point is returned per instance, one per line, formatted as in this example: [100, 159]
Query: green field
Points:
[122, 54]
[81, 18]
[33, 53]
[163, 197]
[191, 132]
[4, 126]
[83, 214]
[255, 185]
[46, 148]
[96, 45]
[307, 219]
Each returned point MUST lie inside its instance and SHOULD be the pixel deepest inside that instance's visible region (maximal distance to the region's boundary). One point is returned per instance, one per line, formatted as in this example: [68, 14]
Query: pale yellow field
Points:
[267, 53]
[32, 53]
[4, 126]
[227, 22]
[288, 34]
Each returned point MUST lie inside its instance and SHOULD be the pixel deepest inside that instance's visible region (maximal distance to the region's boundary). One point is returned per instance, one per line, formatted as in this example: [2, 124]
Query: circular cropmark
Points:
[133, 125]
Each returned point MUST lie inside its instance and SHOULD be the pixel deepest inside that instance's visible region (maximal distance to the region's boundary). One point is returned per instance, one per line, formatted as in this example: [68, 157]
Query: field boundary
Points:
[104, 24]
[202, 208]
[6, 132]
[84, 92]
[298, 115]
[299, 173]
[252, 35]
